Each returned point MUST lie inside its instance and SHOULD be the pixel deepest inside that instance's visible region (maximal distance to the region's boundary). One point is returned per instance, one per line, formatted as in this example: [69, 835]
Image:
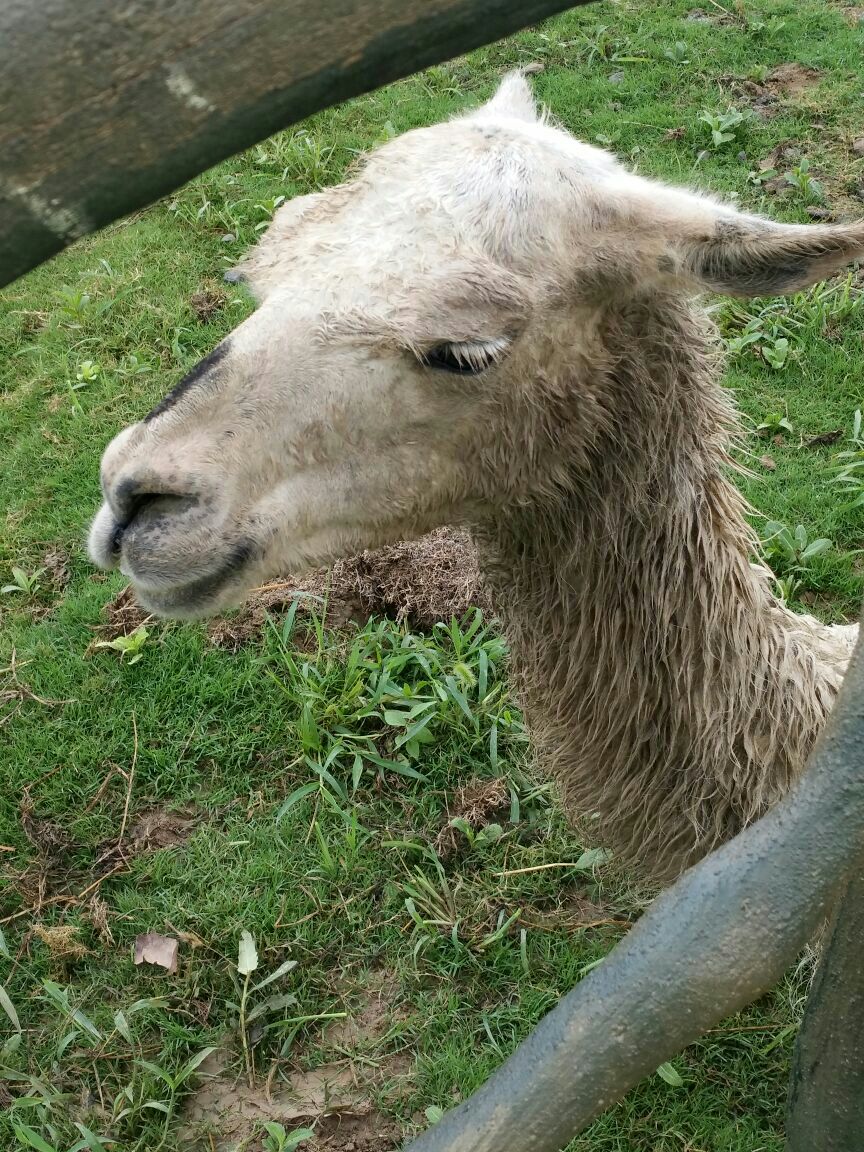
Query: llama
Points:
[493, 326]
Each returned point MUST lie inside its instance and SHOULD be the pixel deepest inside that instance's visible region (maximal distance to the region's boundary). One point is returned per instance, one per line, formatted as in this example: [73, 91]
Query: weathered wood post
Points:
[825, 1109]
[715, 941]
[104, 107]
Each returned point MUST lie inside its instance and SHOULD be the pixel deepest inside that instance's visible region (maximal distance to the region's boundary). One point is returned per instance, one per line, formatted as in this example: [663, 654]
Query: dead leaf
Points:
[152, 948]
[824, 438]
[768, 463]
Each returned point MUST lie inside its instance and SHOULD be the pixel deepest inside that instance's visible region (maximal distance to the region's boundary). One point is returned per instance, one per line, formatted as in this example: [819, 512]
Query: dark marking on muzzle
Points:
[202, 370]
[209, 586]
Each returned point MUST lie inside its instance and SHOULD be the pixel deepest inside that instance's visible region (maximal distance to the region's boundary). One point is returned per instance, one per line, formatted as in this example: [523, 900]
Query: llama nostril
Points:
[138, 503]
[131, 498]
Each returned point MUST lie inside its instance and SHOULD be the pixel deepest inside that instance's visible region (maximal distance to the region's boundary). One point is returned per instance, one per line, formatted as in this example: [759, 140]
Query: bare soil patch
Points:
[422, 582]
[720, 18]
[55, 561]
[574, 912]
[765, 96]
[331, 1099]
[792, 78]
[122, 616]
[155, 828]
[853, 15]
[372, 1010]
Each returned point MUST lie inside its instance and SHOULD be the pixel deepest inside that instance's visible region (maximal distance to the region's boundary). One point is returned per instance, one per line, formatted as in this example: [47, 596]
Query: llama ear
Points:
[513, 98]
[742, 255]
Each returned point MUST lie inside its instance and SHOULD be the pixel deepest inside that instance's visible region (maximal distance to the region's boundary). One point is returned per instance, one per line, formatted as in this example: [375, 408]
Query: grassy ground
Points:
[200, 793]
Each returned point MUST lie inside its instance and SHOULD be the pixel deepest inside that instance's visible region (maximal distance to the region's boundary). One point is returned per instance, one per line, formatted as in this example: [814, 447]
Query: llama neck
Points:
[666, 687]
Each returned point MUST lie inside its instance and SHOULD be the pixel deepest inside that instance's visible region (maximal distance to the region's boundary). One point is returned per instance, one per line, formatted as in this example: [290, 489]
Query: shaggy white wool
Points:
[493, 325]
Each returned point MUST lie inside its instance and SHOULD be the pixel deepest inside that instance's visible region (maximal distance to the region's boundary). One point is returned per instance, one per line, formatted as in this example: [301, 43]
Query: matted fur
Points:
[668, 690]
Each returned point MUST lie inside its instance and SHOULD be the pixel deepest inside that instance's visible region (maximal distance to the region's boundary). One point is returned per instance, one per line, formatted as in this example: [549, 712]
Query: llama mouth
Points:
[112, 544]
[202, 596]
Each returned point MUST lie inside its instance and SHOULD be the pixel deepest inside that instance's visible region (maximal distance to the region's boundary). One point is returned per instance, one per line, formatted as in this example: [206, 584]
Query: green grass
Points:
[281, 757]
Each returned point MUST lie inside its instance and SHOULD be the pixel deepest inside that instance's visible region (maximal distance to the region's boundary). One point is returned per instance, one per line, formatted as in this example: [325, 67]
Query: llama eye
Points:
[465, 357]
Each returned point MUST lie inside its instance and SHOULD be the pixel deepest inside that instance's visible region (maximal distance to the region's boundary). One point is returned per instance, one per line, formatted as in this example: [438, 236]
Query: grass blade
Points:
[9, 1008]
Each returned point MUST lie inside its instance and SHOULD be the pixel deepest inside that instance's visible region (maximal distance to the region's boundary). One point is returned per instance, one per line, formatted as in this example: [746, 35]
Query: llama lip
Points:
[104, 539]
[198, 597]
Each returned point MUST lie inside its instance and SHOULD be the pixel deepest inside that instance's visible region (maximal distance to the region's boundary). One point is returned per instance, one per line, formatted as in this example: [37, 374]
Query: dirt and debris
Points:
[765, 95]
[573, 912]
[824, 438]
[49, 838]
[331, 1098]
[421, 582]
[152, 830]
[208, 301]
[335, 1099]
[721, 17]
[122, 616]
[369, 1016]
[785, 152]
[371, 1133]
[61, 941]
[55, 561]
[477, 803]
[792, 78]
[156, 828]
[96, 915]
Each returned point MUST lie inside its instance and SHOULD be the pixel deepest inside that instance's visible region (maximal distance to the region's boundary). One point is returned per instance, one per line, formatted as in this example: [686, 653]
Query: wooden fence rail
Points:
[106, 105]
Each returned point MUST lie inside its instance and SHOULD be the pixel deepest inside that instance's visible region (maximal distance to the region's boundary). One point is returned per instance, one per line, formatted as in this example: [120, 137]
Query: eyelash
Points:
[464, 358]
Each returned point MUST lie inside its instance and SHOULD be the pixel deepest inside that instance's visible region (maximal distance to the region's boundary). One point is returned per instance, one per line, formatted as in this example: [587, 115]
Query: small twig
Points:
[91, 887]
[36, 908]
[574, 927]
[295, 923]
[535, 868]
[273, 586]
[100, 791]
[131, 778]
[67, 898]
[21, 692]
[747, 1028]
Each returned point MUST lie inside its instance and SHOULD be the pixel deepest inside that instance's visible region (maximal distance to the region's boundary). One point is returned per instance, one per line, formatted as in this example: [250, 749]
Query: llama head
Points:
[419, 353]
